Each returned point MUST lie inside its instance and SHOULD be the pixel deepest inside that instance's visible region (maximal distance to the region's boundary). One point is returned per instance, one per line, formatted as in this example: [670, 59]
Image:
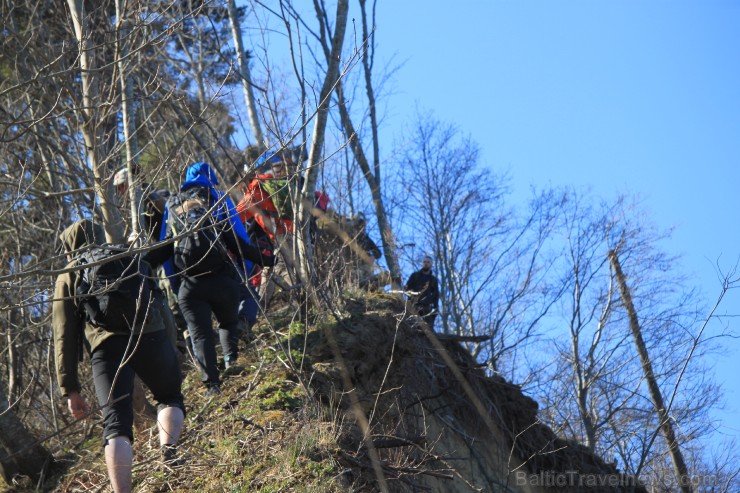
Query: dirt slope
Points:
[469, 432]
[363, 399]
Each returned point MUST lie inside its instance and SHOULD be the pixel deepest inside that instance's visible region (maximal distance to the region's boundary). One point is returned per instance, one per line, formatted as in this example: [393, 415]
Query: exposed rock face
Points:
[435, 421]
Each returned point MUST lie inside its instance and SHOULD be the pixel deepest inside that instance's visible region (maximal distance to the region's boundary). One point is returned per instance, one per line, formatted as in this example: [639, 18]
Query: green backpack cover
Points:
[280, 193]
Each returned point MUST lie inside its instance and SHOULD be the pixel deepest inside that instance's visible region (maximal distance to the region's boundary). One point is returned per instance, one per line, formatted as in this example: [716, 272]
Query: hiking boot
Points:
[213, 391]
[169, 456]
[230, 366]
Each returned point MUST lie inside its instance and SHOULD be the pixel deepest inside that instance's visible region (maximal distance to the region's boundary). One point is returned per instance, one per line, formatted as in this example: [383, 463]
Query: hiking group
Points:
[204, 258]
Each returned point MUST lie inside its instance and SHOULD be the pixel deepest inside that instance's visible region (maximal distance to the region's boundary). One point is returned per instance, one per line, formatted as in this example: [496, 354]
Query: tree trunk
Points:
[91, 118]
[389, 246]
[14, 385]
[246, 76]
[305, 205]
[582, 382]
[679, 466]
[129, 126]
[20, 453]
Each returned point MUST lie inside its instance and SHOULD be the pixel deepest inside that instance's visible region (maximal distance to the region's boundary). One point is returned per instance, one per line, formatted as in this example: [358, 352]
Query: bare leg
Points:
[118, 458]
[144, 411]
[267, 287]
[169, 422]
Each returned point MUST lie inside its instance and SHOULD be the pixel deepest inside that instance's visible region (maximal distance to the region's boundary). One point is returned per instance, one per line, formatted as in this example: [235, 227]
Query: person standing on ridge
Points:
[424, 288]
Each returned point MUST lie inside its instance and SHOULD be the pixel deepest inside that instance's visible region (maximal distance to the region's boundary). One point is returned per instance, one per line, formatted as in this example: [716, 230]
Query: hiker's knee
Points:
[177, 403]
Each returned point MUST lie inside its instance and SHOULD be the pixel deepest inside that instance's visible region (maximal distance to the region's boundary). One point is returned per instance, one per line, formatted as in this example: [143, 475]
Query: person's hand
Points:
[77, 406]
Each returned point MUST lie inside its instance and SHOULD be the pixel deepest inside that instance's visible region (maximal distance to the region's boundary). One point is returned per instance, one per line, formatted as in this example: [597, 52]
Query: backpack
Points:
[114, 294]
[201, 250]
[279, 191]
[259, 238]
[321, 201]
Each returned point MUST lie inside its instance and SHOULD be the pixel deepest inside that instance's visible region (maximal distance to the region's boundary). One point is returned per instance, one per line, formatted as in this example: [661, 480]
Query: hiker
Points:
[423, 287]
[249, 305]
[365, 263]
[267, 202]
[210, 242]
[320, 209]
[154, 204]
[117, 353]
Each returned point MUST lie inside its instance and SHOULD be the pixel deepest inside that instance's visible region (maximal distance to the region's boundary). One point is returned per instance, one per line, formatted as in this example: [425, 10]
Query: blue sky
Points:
[623, 97]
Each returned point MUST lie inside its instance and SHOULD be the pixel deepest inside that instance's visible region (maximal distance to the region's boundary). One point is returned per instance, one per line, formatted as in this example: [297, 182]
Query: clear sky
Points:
[621, 96]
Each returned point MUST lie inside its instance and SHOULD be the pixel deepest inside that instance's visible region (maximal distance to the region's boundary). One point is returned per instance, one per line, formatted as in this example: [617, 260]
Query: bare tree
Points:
[92, 113]
[242, 60]
[331, 79]
[666, 427]
[370, 166]
[489, 261]
[608, 405]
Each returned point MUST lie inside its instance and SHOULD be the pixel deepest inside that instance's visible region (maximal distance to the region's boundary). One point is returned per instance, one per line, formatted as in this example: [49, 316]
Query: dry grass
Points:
[262, 434]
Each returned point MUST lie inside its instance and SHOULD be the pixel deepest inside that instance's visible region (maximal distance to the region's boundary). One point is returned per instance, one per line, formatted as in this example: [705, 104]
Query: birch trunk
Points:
[666, 427]
[129, 126]
[246, 76]
[305, 249]
[90, 127]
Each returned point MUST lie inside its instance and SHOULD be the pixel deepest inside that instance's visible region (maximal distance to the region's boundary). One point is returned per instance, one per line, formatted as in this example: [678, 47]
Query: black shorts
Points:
[154, 361]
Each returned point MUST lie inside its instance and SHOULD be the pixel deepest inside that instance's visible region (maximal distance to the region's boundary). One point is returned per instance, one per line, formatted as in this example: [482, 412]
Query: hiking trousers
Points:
[283, 270]
[248, 298]
[428, 313]
[154, 361]
[201, 296]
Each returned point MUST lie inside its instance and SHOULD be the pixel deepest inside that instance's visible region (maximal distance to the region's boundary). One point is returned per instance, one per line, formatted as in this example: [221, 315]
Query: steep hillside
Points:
[366, 399]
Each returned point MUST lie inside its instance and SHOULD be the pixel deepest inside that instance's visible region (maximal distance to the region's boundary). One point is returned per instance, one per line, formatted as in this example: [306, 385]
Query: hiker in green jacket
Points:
[116, 358]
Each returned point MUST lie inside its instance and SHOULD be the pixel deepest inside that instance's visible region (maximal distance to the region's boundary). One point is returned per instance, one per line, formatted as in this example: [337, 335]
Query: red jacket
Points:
[257, 204]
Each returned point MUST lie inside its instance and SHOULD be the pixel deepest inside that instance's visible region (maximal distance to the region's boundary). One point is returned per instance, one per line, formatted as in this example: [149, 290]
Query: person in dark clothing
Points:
[154, 204]
[423, 286]
[217, 290]
[249, 289]
[366, 267]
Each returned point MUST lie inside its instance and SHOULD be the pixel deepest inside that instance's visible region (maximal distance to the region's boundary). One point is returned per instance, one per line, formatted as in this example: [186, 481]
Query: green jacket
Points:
[68, 321]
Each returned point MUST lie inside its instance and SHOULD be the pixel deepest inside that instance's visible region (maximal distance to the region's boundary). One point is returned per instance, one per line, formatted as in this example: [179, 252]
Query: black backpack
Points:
[200, 250]
[115, 294]
[259, 237]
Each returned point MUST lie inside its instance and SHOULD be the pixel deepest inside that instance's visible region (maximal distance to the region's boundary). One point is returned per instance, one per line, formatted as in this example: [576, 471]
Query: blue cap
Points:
[269, 157]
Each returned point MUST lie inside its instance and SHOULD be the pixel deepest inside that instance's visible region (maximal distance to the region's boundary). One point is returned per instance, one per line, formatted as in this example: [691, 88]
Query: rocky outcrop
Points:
[423, 417]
